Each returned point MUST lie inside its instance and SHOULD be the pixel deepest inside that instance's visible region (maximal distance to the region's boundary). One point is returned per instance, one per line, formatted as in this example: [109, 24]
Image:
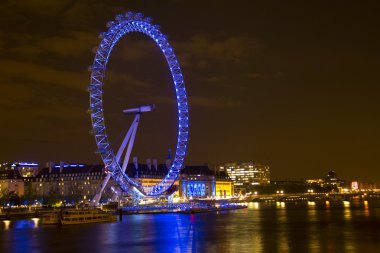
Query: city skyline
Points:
[291, 85]
[154, 162]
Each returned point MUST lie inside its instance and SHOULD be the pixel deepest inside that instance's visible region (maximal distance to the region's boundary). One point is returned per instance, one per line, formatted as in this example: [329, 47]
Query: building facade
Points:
[11, 181]
[245, 175]
[74, 183]
[193, 182]
[197, 182]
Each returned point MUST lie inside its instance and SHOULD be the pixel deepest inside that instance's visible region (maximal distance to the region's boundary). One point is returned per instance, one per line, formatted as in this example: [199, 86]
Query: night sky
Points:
[291, 84]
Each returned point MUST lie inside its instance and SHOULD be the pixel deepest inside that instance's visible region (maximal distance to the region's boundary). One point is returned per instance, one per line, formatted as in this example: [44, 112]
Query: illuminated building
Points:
[201, 182]
[197, 183]
[80, 182]
[11, 181]
[71, 181]
[224, 187]
[12, 176]
[247, 174]
[363, 186]
[26, 169]
[317, 181]
[193, 182]
[332, 179]
[150, 174]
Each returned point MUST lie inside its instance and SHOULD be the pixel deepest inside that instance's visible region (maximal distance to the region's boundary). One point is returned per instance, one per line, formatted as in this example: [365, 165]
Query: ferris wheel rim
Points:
[121, 26]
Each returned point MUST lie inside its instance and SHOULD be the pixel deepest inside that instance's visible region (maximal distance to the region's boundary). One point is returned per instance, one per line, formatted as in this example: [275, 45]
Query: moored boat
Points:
[82, 216]
[51, 218]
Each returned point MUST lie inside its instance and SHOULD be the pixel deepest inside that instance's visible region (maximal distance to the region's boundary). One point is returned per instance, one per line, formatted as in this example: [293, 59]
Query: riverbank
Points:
[23, 213]
[184, 208]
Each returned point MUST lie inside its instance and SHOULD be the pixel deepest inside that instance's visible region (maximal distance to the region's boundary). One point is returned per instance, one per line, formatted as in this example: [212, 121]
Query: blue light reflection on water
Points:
[167, 232]
[259, 228]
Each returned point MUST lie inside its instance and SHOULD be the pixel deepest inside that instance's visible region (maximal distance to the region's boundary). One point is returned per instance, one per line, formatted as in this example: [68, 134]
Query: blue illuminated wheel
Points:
[122, 25]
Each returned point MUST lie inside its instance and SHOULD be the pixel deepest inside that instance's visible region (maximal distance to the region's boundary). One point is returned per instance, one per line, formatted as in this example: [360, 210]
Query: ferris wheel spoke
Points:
[125, 141]
[131, 141]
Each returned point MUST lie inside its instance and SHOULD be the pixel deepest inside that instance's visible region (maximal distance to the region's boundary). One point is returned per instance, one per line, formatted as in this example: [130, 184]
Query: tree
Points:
[11, 198]
[14, 199]
[4, 197]
[75, 195]
[29, 197]
[53, 197]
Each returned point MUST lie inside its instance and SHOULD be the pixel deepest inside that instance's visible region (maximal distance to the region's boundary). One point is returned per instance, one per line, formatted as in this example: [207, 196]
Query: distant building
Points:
[316, 181]
[363, 186]
[288, 186]
[332, 179]
[245, 175]
[288, 183]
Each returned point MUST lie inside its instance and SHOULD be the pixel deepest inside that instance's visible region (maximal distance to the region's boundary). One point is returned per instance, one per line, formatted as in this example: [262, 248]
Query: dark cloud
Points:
[74, 44]
[13, 91]
[200, 50]
[38, 8]
[219, 102]
[255, 75]
[31, 72]
[136, 49]
[197, 101]
[2, 43]
[215, 79]
[127, 81]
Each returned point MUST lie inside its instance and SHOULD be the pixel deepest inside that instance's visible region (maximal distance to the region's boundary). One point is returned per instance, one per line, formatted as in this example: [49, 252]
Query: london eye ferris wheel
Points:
[122, 25]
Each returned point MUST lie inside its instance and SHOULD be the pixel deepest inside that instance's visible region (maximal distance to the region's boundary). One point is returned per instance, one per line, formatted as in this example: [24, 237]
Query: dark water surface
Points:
[260, 228]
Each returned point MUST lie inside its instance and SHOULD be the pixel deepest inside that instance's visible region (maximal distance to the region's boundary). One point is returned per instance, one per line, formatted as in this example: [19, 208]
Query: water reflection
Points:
[366, 212]
[282, 222]
[6, 224]
[312, 214]
[254, 205]
[347, 214]
[312, 230]
[255, 238]
[349, 245]
[259, 228]
[346, 203]
[19, 224]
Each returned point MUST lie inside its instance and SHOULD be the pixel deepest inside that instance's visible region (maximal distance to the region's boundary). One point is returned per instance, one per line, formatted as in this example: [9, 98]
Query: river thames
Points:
[259, 228]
